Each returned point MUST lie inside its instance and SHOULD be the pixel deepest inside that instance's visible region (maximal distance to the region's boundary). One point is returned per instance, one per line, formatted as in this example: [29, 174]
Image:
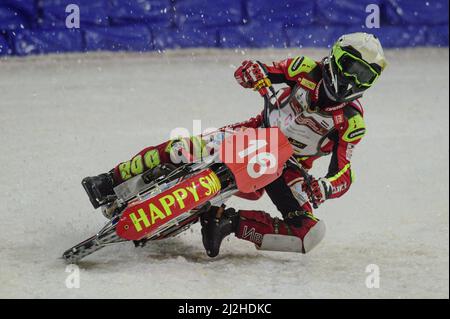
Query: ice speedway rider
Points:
[324, 118]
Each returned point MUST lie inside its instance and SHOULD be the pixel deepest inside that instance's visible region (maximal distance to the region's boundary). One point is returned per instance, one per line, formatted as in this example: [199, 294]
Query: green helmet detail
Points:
[354, 64]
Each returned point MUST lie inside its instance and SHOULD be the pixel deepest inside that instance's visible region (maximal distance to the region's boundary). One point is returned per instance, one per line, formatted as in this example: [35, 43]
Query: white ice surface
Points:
[66, 117]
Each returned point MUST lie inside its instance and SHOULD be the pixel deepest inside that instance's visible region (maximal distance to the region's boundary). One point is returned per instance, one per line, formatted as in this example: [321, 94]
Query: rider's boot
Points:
[99, 188]
[217, 223]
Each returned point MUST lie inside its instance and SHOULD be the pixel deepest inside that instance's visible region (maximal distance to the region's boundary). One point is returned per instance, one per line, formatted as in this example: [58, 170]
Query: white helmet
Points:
[355, 62]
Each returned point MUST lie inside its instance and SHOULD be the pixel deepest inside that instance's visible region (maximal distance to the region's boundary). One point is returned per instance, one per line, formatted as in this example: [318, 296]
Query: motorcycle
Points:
[166, 201]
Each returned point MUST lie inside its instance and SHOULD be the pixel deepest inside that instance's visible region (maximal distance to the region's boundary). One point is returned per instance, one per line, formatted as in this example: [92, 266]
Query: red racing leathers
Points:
[315, 126]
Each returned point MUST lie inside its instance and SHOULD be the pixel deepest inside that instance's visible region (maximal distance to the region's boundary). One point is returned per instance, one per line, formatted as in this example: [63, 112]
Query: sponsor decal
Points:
[136, 165]
[310, 122]
[296, 143]
[175, 201]
[338, 119]
[339, 188]
[316, 91]
[357, 133]
[252, 235]
[297, 62]
[336, 107]
[308, 84]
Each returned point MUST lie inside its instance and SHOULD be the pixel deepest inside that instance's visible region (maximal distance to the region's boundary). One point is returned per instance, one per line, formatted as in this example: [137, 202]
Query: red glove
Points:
[249, 73]
[319, 191]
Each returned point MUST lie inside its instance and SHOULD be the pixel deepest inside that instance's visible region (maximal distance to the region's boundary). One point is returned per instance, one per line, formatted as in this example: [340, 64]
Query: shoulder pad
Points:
[301, 64]
[356, 127]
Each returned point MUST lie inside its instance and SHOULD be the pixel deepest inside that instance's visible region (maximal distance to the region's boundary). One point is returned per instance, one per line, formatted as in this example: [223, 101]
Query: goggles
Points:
[354, 67]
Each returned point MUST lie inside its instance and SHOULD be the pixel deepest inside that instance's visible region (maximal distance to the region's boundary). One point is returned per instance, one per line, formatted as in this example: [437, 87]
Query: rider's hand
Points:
[241, 75]
[320, 190]
[251, 75]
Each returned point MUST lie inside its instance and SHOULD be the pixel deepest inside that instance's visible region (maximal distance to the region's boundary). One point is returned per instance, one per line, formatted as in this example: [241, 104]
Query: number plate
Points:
[255, 157]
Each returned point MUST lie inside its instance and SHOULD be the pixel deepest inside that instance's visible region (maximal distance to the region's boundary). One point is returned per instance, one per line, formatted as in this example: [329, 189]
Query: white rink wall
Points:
[66, 117]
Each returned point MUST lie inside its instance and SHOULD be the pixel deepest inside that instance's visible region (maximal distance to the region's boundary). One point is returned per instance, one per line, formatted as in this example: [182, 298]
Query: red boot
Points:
[274, 234]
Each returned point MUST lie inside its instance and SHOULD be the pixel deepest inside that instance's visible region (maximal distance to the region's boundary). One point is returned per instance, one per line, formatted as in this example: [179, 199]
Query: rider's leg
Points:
[101, 186]
[298, 220]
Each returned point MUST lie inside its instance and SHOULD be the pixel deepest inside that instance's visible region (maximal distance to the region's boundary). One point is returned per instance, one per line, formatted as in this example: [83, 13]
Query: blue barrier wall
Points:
[39, 26]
